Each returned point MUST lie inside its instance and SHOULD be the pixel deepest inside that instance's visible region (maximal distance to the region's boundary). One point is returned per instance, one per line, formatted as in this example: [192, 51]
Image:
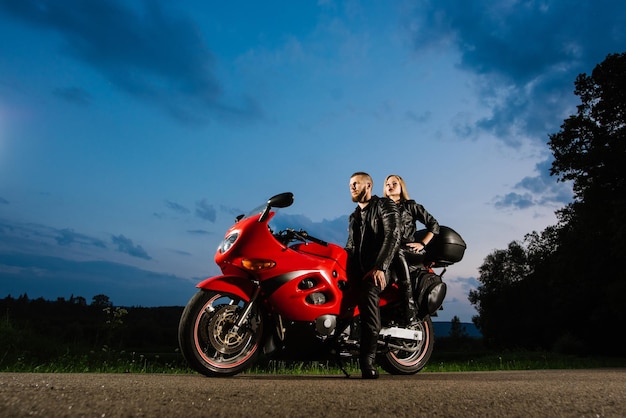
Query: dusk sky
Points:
[133, 132]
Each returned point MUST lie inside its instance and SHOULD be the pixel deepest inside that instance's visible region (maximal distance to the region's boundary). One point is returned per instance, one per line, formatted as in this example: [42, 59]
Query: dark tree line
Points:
[41, 330]
[564, 288]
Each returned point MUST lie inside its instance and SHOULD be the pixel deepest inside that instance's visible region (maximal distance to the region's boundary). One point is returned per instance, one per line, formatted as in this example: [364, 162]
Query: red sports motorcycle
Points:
[285, 295]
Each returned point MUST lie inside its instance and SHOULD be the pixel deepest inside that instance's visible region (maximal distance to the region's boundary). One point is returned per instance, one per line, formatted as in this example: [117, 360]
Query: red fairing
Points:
[304, 264]
[236, 285]
[301, 270]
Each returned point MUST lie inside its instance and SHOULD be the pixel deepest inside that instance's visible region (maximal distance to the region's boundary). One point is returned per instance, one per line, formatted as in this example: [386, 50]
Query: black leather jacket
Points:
[373, 236]
[411, 211]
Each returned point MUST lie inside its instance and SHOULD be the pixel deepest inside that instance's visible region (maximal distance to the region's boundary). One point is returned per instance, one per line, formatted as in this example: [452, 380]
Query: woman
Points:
[410, 251]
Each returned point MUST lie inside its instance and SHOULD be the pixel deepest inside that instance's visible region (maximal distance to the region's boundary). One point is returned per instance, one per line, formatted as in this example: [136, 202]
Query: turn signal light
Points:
[256, 264]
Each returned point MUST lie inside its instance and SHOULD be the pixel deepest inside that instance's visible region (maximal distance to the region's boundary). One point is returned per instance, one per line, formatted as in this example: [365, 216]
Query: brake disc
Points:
[224, 338]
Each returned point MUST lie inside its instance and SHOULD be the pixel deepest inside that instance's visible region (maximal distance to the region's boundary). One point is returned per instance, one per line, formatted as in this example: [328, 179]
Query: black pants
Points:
[369, 306]
[414, 261]
[401, 273]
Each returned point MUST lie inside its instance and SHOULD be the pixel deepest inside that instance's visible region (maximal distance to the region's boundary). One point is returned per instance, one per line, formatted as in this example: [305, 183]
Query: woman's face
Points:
[393, 188]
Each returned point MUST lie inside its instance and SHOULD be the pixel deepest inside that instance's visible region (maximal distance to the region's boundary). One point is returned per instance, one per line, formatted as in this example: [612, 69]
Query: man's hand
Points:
[378, 276]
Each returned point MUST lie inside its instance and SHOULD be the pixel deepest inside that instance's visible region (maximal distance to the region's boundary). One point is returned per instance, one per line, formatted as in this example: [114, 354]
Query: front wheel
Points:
[413, 355]
[209, 339]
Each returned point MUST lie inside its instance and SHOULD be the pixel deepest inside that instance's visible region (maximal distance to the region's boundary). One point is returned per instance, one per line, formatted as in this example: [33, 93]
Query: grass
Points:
[516, 360]
[24, 351]
[111, 361]
[103, 361]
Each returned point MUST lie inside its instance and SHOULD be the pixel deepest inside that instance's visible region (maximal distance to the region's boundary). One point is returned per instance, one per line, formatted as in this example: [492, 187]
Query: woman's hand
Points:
[416, 246]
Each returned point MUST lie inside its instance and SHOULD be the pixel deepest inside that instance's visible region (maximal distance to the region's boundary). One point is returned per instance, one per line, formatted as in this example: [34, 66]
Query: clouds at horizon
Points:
[53, 277]
[37, 238]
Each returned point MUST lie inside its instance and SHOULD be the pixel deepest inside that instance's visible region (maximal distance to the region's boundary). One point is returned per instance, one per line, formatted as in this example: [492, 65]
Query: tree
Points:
[101, 301]
[457, 331]
[590, 149]
[564, 287]
[508, 292]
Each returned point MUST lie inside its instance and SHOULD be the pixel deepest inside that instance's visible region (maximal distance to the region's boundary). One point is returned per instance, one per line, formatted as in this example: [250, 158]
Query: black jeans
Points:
[369, 306]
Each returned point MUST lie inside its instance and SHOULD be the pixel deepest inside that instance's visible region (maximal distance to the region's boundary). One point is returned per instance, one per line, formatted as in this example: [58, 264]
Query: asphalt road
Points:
[544, 393]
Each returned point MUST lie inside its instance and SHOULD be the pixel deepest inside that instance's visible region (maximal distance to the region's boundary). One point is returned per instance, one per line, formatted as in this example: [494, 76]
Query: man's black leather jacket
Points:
[373, 236]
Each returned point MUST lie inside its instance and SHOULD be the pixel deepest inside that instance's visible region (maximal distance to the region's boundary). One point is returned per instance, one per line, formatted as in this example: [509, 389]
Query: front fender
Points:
[235, 285]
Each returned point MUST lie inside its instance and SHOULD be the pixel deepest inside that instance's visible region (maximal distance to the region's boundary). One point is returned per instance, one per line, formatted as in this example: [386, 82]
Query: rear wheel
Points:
[413, 355]
[209, 338]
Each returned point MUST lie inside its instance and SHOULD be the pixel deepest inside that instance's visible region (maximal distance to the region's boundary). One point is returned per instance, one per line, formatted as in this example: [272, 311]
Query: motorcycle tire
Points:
[208, 340]
[415, 357]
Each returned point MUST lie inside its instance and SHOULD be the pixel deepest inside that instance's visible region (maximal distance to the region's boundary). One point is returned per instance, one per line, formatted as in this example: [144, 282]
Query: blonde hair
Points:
[404, 195]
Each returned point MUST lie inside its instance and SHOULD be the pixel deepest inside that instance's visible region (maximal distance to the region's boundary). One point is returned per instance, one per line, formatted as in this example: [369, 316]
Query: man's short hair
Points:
[363, 174]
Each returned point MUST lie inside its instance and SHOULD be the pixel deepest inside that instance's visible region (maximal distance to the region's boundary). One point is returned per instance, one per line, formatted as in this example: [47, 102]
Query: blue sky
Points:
[132, 132]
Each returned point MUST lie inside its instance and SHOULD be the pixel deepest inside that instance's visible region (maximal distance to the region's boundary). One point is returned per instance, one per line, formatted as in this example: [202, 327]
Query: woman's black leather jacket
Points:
[411, 211]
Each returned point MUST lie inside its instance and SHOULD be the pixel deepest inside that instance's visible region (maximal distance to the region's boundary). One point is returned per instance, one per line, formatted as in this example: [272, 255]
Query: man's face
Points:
[359, 189]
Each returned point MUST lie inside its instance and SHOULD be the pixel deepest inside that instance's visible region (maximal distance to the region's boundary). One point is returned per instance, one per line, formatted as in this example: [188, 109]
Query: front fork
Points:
[247, 308]
[270, 345]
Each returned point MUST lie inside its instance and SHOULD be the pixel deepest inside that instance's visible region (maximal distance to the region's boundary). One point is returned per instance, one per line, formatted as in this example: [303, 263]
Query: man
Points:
[373, 239]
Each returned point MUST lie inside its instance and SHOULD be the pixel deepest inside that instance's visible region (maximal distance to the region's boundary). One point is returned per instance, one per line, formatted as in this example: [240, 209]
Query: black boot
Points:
[369, 302]
[368, 368]
[411, 309]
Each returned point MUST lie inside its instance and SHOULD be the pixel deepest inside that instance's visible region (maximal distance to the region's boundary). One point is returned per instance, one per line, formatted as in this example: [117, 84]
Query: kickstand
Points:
[340, 364]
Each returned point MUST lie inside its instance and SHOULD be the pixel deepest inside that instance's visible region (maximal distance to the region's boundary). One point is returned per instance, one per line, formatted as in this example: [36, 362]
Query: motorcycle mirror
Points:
[279, 201]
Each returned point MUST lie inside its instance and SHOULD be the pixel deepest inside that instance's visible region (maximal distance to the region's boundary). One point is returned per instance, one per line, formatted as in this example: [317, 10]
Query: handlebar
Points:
[290, 234]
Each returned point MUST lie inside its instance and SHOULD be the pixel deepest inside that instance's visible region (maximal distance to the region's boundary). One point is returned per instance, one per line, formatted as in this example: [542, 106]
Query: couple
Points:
[380, 237]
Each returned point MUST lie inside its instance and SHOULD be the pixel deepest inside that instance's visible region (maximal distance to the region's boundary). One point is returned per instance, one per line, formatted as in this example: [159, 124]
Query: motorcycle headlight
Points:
[228, 242]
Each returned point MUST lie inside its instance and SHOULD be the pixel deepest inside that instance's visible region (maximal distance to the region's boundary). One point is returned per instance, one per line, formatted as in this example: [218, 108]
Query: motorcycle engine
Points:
[325, 324]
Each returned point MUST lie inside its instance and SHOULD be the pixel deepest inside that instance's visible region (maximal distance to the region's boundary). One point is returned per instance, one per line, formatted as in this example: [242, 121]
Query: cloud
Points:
[32, 237]
[525, 54]
[419, 118]
[68, 236]
[152, 54]
[466, 283]
[52, 277]
[181, 252]
[230, 210]
[74, 95]
[126, 245]
[199, 232]
[205, 211]
[517, 200]
[539, 190]
[176, 207]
